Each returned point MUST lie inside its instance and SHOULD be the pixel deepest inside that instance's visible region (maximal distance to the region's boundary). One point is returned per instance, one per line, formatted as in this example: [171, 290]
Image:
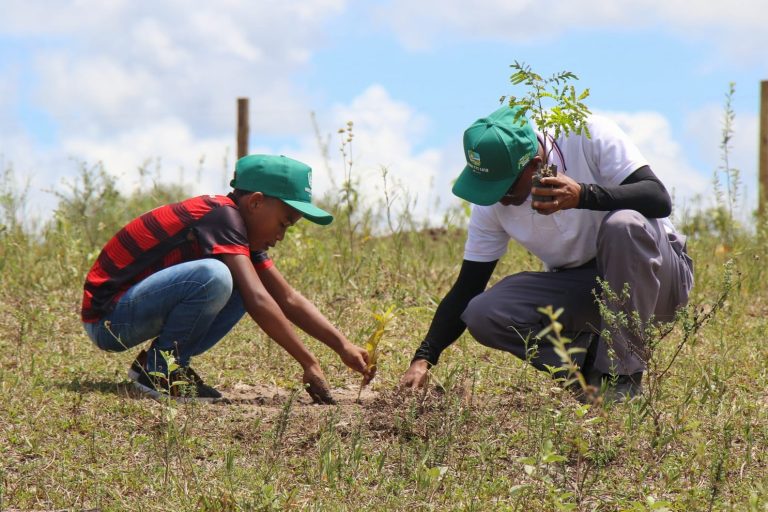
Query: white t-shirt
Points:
[567, 238]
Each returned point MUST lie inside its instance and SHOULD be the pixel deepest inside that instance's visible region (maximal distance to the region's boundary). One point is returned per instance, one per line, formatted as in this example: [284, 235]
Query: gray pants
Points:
[631, 249]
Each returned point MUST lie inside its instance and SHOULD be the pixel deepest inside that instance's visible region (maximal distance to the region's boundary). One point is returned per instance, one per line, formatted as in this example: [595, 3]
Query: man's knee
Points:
[476, 318]
[620, 225]
[626, 232]
[493, 329]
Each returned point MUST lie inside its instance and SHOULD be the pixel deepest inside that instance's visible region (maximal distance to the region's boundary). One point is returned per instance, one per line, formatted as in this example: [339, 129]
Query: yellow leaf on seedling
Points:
[372, 345]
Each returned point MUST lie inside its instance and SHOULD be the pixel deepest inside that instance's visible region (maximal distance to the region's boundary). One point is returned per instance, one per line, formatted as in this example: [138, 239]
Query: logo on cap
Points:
[524, 160]
[474, 158]
[308, 188]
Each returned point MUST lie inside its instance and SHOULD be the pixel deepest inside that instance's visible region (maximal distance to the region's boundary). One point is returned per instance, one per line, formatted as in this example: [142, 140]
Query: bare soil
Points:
[273, 396]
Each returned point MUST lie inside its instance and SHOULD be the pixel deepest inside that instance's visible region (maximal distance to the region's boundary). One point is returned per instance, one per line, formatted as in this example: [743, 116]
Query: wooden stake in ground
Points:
[763, 151]
[242, 127]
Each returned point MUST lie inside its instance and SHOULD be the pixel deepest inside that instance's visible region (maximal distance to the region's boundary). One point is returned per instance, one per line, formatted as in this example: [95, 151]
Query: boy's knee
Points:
[217, 280]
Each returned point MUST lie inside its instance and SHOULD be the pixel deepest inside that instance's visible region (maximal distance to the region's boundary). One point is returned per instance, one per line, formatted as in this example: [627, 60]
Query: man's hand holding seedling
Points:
[565, 193]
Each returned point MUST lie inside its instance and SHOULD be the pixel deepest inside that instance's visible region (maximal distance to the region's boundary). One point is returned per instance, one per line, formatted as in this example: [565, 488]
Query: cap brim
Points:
[478, 191]
[311, 212]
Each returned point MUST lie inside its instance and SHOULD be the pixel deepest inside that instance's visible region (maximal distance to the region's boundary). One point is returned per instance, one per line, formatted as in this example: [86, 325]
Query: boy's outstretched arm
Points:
[261, 306]
[309, 319]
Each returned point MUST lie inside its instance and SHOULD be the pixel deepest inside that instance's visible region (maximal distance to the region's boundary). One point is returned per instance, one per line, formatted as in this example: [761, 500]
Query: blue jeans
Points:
[187, 308]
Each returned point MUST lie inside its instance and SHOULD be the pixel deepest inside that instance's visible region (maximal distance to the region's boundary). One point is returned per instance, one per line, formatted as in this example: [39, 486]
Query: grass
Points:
[493, 435]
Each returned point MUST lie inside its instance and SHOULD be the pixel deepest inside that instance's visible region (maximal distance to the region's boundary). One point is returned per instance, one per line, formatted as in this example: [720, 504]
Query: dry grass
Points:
[489, 434]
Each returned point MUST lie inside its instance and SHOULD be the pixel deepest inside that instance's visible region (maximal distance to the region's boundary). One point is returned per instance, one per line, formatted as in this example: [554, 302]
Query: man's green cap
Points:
[281, 177]
[497, 148]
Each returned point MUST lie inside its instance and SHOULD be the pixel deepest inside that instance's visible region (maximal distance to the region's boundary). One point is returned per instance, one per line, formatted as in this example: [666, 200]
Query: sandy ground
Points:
[273, 396]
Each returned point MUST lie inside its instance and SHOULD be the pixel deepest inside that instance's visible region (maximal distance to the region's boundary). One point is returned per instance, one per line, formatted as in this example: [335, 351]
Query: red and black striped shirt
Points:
[200, 227]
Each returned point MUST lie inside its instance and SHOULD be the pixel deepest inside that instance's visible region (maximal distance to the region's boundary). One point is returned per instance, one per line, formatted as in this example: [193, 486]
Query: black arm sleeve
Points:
[446, 325]
[641, 191]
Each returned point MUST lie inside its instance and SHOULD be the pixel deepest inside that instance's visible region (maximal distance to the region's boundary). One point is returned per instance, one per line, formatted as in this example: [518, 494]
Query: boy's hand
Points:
[357, 359]
[317, 386]
[416, 376]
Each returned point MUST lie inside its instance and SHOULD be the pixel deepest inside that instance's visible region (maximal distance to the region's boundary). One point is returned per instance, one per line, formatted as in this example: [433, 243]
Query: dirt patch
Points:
[273, 396]
[386, 413]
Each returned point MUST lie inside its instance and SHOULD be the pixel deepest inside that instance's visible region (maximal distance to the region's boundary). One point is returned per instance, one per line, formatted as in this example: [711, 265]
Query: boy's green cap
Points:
[497, 148]
[281, 177]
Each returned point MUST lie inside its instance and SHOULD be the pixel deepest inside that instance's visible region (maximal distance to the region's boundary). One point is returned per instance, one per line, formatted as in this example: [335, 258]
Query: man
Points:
[605, 217]
[185, 273]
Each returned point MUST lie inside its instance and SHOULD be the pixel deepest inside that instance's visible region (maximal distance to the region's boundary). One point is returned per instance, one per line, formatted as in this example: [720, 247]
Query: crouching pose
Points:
[184, 274]
[604, 216]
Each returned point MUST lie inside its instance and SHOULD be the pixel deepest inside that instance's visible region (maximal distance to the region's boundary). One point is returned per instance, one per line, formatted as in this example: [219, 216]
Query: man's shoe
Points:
[610, 389]
[624, 389]
[182, 387]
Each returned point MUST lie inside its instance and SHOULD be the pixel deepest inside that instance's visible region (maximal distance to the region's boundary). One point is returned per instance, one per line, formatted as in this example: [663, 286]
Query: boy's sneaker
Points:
[203, 389]
[181, 388]
[137, 366]
[185, 386]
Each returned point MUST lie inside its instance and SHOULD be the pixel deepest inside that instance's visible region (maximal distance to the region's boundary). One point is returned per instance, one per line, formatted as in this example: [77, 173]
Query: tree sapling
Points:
[555, 108]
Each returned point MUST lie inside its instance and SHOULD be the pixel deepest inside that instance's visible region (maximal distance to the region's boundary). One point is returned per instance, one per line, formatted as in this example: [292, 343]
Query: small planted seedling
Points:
[372, 345]
[556, 109]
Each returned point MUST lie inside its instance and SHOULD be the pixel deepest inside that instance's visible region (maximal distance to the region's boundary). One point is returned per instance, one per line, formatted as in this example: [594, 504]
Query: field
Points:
[490, 433]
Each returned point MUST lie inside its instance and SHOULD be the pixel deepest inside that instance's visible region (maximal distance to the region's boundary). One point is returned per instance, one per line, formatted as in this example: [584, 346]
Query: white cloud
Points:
[223, 34]
[191, 62]
[168, 145]
[125, 81]
[387, 134]
[156, 44]
[121, 82]
[8, 98]
[96, 95]
[40, 17]
[738, 27]
[705, 126]
[117, 65]
[652, 133]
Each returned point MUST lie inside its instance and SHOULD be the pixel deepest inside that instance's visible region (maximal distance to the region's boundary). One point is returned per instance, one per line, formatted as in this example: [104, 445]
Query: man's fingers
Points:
[544, 208]
[413, 380]
[540, 191]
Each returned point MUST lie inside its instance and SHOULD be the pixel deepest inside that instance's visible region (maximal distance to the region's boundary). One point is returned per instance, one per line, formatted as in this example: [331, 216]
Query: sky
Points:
[132, 84]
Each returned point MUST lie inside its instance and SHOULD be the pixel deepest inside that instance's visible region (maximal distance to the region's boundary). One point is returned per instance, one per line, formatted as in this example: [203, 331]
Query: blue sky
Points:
[122, 82]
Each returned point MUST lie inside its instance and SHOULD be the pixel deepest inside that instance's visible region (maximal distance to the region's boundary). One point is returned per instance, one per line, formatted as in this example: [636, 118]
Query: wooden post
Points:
[242, 127]
[763, 154]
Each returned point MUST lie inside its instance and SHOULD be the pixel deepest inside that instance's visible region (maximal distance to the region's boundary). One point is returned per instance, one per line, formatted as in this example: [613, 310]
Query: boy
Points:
[185, 273]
